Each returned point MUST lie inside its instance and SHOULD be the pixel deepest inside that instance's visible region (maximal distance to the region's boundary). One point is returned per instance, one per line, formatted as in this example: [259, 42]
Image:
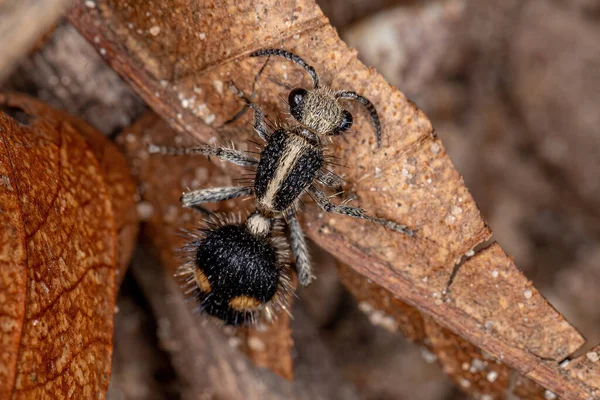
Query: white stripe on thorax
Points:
[295, 148]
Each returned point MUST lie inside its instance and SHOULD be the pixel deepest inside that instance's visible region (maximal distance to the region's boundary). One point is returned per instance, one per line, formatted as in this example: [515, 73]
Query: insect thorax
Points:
[288, 165]
[321, 111]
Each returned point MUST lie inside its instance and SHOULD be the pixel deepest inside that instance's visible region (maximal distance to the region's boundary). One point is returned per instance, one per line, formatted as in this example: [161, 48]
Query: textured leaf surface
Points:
[57, 279]
[181, 56]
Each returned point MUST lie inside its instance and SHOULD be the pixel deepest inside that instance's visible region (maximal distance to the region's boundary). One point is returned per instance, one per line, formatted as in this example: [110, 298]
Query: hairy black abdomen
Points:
[236, 263]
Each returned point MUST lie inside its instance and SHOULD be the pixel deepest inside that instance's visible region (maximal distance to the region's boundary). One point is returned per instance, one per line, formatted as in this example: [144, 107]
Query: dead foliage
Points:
[181, 59]
[63, 188]
[182, 65]
[489, 328]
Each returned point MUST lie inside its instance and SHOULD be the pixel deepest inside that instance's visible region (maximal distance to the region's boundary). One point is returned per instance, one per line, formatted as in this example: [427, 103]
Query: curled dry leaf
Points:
[57, 253]
[180, 57]
[162, 180]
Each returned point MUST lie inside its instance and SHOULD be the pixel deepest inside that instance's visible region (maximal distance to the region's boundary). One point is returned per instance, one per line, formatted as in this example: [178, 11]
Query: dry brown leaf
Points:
[163, 179]
[58, 254]
[120, 188]
[86, 88]
[474, 372]
[180, 56]
[271, 347]
[406, 318]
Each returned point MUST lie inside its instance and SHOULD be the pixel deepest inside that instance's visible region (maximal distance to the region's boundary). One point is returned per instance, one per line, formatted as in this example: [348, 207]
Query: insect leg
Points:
[329, 179]
[323, 201]
[240, 113]
[299, 247]
[233, 156]
[211, 195]
[259, 117]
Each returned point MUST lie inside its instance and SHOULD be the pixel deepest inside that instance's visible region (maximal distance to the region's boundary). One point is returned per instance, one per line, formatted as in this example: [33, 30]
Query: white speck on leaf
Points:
[209, 119]
[454, 210]
[593, 356]
[155, 30]
[218, 85]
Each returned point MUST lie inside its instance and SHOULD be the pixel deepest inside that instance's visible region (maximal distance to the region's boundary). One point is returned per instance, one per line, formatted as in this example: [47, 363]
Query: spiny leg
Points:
[233, 156]
[290, 57]
[299, 247]
[323, 201]
[370, 108]
[212, 195]
[329, 179]
[259, 117]
[240, 113]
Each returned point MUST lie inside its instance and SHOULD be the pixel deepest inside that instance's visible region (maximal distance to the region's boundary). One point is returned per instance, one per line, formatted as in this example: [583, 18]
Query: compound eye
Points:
[345, 124]
[296, 100]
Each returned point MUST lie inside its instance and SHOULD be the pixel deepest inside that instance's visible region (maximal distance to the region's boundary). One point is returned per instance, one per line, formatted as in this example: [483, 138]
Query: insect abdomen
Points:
[236, 273]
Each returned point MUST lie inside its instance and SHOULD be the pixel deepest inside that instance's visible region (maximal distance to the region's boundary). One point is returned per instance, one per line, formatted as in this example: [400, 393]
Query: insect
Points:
[237, 269]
